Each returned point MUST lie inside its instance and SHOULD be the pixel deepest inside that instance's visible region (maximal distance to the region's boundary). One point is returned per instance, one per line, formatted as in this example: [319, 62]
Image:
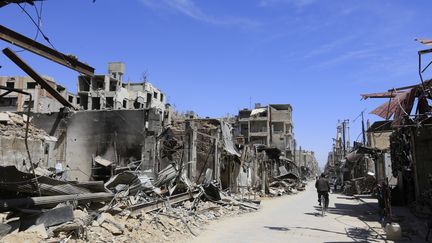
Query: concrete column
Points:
[216, 167]
[192, 150]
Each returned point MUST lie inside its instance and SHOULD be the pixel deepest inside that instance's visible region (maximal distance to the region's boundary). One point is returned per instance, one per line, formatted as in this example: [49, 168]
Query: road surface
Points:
[296, 218]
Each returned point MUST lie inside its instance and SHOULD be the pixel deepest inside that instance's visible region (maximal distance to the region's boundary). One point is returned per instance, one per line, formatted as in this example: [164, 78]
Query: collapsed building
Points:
[108, 91]
[119, 149]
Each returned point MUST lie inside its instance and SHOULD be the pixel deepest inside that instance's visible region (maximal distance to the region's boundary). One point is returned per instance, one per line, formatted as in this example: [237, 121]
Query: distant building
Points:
[270, 125]
[42, 101]
[108, 91]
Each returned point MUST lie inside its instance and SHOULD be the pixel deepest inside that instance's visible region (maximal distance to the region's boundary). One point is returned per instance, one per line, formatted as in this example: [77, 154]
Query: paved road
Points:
[296, 218]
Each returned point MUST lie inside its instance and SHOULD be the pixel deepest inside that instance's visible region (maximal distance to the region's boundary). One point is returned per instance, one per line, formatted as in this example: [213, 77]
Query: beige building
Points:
[108, 91]
[42, 101]
[270, 125]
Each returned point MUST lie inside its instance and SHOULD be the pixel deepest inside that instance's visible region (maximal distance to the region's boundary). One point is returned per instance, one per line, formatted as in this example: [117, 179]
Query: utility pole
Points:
[363, 130]
[343, 138]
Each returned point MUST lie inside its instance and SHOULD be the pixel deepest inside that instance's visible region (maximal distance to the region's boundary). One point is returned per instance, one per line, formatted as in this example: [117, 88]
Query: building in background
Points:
[42, 101]
[269, 125]
[108, 91]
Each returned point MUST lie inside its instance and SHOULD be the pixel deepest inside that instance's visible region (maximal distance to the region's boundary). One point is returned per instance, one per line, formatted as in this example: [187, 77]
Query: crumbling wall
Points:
[423, 157]
[116, 135]
[13, 152]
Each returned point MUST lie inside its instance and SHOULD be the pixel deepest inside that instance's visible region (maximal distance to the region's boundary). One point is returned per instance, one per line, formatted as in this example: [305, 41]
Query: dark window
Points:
[84, 83]
[84, 101]
[60, 88]
[10, 84]
[8, 101]
[109, 102]
[124, 104]
[70, 98]
[278, 127]
[98, 84]
[31, 85]
[95, 103]
[161, 97]
[155, 95]
[149, 100]
[113, 86]
[26, 104]
[78, 100]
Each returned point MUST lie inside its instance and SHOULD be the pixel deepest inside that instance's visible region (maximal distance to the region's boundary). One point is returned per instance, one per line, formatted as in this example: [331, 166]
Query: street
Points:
[296, 218]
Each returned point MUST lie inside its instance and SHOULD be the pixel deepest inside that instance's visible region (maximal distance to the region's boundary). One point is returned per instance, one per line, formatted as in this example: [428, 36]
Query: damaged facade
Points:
[118, 151]
[108, 91]
[42, 101]
[270, 125]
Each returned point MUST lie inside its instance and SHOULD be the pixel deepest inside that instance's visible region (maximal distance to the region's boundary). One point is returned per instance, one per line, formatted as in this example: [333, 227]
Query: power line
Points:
[37, 26]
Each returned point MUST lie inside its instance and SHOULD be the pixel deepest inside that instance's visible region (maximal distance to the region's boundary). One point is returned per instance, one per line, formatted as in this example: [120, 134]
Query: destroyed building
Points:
[119, 151]
[109, 91]
[270, 125]
[42, 101]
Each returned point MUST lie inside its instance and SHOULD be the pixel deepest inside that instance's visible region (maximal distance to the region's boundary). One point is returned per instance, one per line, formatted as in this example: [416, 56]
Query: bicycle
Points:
[324, 205]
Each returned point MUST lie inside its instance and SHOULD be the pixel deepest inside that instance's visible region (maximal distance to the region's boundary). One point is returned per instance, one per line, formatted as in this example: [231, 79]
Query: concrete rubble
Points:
[133, 203]
[116, 163]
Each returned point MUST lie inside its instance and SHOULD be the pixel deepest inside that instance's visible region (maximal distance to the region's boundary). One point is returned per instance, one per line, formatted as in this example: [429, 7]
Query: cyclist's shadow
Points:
[317, 212]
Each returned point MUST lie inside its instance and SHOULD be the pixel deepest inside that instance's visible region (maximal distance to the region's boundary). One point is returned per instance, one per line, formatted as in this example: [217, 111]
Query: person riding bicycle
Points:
[323, 187]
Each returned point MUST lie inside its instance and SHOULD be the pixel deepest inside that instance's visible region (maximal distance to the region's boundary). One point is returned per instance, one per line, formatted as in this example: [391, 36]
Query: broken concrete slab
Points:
[5, 229]
[39, 229]
[108, 222]
[98, 159]
[49, 218]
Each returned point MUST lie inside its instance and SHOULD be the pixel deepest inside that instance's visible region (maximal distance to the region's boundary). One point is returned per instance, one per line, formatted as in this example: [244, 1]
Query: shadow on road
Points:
[359, 211]
[317, 214]
[276, 228]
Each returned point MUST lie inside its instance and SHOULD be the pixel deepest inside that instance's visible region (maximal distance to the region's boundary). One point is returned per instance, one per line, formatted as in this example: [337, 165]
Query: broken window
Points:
[8, 101]
[46, 149]
[244, 128]
[84, 101]
[258, 126]
[137, 105]
[109, 102]
[258, 140]
[278, 127]
[31, 85]
[26, 103]
[149, 100]
[84, 83]
[10, 85]
[95, 103]
[60, 88]
[113, 85]
[98, 83]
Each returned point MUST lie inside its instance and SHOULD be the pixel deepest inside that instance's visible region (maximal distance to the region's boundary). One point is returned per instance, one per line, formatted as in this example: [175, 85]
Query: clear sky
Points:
[216, 57]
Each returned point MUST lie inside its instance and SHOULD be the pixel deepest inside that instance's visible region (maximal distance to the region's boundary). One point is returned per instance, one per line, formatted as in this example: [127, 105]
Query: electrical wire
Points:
[42, 33]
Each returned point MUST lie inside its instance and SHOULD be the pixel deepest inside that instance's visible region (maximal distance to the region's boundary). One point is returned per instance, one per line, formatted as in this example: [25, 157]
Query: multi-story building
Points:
[42, 101]
[108, 91]
[270, 125]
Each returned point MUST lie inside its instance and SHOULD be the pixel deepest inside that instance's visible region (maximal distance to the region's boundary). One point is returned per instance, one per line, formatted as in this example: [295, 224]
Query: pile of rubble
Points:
[13, 125]
[287, 183]
[129, 206]
[362, 185]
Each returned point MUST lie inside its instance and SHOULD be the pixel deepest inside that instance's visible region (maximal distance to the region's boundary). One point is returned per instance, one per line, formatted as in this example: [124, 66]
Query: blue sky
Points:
[216, 57]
